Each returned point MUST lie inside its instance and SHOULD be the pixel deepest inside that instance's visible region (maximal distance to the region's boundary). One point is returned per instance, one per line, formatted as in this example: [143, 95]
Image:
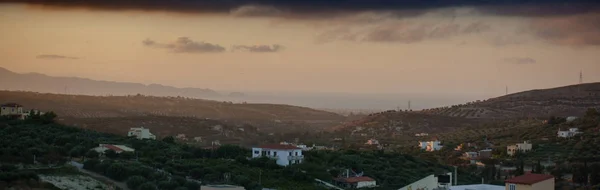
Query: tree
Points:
[147, 186]
[192, 185]
[111, 154]
[538, 168]
[126, 155]
[169, 139]
[167, 185]
[48, 117]
[135, 181]
[520, 168]
[595, 174]
[592, 113]
[91, 154]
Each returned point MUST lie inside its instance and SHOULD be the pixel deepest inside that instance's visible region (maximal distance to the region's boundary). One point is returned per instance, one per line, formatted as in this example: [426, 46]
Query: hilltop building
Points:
[141, 133]
[523, 147]
[430, 145]
[568, 134]
[530, 181]
[284, 154]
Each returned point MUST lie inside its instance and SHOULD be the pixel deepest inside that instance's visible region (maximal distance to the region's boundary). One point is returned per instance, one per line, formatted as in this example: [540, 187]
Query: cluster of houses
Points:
[16, 110]
[530, 181]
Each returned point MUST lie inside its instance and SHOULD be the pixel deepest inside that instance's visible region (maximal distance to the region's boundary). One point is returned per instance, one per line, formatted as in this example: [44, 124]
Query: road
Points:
[98, 176]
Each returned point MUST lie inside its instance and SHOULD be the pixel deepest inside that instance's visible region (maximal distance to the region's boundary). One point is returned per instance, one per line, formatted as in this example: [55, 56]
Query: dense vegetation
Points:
[164, 164]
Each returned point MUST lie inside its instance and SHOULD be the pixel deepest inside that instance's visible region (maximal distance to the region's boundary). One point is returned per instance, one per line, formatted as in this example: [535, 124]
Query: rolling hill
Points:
[475, 118]
[562, 101]
[269, 118]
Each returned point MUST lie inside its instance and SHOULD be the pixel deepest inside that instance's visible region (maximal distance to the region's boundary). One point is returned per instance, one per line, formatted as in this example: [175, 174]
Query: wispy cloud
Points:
[401, 32]
[54, 56]
[185, 45]
[520, 60]
[258, 48]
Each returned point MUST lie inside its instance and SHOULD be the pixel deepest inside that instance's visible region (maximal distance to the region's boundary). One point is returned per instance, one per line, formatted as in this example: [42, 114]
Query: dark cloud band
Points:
[501, 7]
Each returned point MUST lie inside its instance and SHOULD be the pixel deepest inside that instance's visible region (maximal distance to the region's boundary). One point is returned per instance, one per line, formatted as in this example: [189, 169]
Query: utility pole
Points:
[409, 105]
[506, 90]
[580, 77]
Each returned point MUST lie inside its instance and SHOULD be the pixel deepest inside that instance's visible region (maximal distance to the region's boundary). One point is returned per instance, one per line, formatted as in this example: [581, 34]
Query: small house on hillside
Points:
[11, 109]
[568, 134]
[356, 182]
[522, 147]
[141, 133]
[117, 148]
[430, 145]
[531, 181]
[284, 154]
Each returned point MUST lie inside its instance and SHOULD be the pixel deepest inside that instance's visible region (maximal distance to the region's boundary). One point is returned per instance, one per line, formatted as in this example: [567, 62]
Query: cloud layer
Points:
[258, 48]
[53, 56]
[504, 7]
[560, 22]
[187, 45]
[402, 32]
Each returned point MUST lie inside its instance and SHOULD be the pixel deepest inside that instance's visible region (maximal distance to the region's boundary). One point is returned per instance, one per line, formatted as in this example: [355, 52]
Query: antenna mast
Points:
[506, 90]
[580, 77]
[409, 105]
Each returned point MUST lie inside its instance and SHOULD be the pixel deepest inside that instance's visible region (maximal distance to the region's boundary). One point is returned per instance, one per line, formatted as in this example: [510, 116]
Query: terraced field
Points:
[562, 101]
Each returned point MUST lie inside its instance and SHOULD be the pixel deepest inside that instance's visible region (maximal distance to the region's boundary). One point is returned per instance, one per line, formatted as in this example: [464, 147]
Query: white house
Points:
[117, 148]
[430, 145]
[141, 133]
[284, 154]
[429, 182]
[523, 147]
[568, 134]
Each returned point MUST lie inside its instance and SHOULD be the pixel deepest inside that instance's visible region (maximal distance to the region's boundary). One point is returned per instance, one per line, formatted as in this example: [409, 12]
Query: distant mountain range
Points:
[73, 85]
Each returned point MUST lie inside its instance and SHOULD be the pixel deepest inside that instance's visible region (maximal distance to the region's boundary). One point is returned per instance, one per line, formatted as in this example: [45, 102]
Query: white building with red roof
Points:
[284, 154]
[117, 148]
[356, 182]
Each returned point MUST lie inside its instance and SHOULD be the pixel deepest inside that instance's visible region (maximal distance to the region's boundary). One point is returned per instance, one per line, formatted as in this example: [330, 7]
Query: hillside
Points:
[562, 101]
[49, 84]
[116, 114]
[82, 106]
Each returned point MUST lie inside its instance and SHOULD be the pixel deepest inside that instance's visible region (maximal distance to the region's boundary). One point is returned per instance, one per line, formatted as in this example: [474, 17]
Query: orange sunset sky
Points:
[263, 48]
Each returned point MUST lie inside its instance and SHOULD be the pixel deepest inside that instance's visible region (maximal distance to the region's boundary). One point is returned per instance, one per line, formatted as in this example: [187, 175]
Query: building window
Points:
[274, 153]
[290, 153]
[256, 152]
[296, 153]
[512, 187]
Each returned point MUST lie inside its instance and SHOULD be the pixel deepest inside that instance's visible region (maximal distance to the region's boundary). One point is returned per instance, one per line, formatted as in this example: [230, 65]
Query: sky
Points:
[356, 47]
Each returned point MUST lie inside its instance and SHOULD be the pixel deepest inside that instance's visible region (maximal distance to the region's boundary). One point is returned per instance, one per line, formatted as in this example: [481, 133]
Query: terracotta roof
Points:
[529, 179]
[11, 105]
[279, 147]
[355, 179]
[113, 147]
